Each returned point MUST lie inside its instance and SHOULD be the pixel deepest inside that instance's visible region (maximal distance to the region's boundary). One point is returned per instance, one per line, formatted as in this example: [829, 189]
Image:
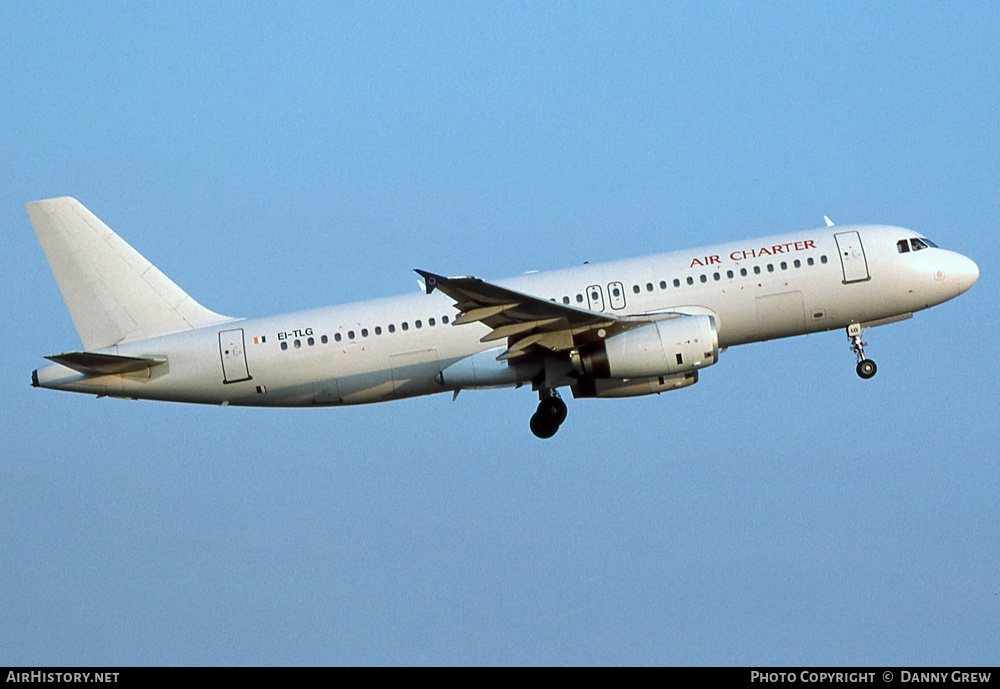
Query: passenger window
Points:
[649, 286]
[350, 334]
[730, 274]
[770, 267]
[311, 341]
[822, 259]
[378, 329]
[444, 319]
[406, 326]
[284, 345]
[784, 265]
[811, 261]
[364, 332]
[565, 300]
[431, 322]
[903, 246]
[418, 324]
[756, 270]
[663, 284]
[743, 272]
[337, 337]
[704, 278]
[297, 343]
[677, 283]
[717, 277]
[324, 339]
[690, 280]
[798, 263]
[579, 299]
[392, 328]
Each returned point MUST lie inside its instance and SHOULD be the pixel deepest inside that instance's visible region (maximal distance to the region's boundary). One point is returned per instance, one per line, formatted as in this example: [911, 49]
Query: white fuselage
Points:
[397, 347]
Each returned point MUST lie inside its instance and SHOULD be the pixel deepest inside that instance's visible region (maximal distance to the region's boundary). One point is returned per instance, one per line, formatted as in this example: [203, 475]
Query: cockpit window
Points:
[917, 243]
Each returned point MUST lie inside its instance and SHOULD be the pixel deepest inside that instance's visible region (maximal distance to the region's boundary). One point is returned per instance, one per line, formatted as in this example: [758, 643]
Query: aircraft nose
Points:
[965, 271]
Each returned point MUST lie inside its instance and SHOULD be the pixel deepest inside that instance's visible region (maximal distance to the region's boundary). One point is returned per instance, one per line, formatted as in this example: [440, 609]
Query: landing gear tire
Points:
[866, 367]
[553, 409]
[549, 416]
[542, 427]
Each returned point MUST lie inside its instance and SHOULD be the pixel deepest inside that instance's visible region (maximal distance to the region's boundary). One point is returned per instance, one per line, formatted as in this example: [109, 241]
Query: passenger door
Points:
[234, 357]
[852, 257]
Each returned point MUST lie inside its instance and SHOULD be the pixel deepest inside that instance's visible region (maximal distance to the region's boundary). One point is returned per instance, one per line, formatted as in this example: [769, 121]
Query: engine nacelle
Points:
[482, 370]
[632, 387]
[663, 348]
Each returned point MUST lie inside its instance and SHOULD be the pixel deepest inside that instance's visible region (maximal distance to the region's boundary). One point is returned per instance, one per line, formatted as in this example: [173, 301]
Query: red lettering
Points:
[778, 249]
[737, 255]
[695, 262]
[763, 251]
[714, 259]
[810, 244]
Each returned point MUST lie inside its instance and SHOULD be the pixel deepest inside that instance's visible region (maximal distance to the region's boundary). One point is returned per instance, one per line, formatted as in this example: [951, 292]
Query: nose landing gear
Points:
[550, 414]
[866, 367]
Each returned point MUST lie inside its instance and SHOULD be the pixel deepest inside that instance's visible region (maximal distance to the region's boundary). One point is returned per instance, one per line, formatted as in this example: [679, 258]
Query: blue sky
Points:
[273, 158]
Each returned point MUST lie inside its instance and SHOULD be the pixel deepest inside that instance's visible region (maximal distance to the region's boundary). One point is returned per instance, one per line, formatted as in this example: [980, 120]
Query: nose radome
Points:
[964, 271]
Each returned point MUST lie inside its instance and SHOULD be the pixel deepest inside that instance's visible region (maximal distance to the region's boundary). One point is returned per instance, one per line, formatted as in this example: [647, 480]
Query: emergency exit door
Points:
[595, 298]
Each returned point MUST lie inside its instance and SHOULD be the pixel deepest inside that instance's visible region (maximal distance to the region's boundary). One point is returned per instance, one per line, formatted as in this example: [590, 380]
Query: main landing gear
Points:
[550, 414]
[866, 367]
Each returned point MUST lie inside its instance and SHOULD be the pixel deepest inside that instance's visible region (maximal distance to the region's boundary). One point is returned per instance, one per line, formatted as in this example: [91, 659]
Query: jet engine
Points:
[632, 387]
[663, 348]
[482, 371]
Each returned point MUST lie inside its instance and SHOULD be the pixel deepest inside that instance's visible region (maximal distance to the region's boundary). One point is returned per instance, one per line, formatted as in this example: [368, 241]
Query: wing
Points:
[526, 321]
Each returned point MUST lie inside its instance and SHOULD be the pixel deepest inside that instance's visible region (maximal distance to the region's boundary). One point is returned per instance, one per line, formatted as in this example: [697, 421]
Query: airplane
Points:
[610, 330]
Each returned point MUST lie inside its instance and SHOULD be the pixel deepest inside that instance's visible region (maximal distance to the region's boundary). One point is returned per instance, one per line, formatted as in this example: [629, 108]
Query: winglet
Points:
[430, 279]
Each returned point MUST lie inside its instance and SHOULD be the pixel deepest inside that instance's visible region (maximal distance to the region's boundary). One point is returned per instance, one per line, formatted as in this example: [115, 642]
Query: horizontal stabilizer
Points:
[92, 363]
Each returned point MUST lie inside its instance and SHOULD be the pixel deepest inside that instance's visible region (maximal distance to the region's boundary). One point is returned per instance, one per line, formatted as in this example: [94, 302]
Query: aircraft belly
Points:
[737, 321]
[362, 388]
[413, 373]
[780, 315]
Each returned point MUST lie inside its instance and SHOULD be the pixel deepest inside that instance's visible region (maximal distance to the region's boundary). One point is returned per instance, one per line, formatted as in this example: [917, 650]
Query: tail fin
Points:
[114, 295]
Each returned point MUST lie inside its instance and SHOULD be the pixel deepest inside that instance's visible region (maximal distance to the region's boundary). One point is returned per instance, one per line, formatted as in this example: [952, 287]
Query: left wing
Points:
[526, 321]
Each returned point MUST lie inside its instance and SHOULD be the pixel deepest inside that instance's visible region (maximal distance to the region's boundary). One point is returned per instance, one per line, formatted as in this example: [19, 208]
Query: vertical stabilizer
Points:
[113, 294]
